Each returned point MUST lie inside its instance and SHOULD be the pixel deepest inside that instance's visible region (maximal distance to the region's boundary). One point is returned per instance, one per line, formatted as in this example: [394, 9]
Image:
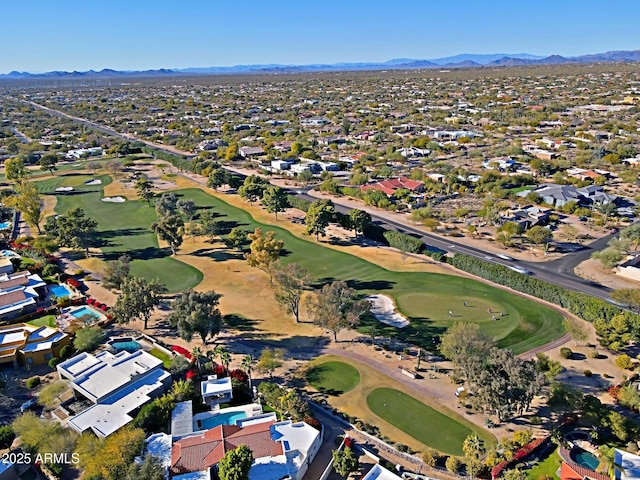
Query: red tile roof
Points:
[393, 184]
[200, 452]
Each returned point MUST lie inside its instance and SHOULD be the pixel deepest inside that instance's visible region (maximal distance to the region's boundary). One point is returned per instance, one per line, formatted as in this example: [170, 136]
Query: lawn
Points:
[418, 420]
[159, 354]
[123, 228]
[45, 321]
[547, 466]
[333, 378]
[426, 298]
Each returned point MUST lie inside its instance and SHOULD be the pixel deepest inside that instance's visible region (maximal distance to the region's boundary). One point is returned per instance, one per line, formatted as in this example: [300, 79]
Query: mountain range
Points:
[457, 61]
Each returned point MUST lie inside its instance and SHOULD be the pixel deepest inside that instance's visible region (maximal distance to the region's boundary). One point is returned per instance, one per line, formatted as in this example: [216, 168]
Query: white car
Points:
[518, 269]
[504, 257]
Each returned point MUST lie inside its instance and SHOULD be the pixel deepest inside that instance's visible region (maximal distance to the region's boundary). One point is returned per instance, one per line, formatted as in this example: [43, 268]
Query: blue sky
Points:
[44, 35]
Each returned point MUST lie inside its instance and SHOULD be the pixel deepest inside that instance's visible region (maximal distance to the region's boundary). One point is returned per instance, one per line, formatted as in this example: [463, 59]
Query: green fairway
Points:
[426, 298]
[123, 228]
[418, 420]
[333, 378]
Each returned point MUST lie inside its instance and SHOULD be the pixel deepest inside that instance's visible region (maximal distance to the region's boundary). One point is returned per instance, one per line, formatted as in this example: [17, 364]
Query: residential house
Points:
[630, 268]
[503, 164]
[117, 385]
[281, 165]
[582, 174]
[527, 216]
[410, 152]
[378, 472]
[84, 152]
[314, 122]
[627, 465]
[280, 449]
[216, 390]
[595, 195]
[556, 195]
[24, 344]
[250, 152]
[390, 186]
[20, 293]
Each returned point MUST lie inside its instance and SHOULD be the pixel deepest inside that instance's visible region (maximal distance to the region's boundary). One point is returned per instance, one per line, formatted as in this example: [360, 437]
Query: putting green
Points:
[333, 378]
[418, 420]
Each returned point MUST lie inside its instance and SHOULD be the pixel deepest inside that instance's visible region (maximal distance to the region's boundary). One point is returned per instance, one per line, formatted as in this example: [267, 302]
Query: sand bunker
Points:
[113, 199]
[64, 189]
[384, 310]
[94, 182]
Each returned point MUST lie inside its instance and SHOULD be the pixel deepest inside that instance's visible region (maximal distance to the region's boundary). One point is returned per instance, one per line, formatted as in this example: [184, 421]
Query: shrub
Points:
[452, 464]
[430, 457]
[32, 382]
[624, 361]
[77, 273]
[50, 270]
[66, 351]
[53, 362]
[566, 352]
[594, 353]
[588, 373]
[6, 436]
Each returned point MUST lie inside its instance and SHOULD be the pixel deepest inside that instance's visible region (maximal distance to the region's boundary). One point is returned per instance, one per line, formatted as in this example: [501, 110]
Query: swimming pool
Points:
[82, 311]
[59, 291]
[584, 458]
[129, 345]
[227, 418]
[5, 225]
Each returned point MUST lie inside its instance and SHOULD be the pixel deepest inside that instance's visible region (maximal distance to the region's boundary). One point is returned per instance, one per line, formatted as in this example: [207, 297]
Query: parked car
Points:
[29, 404]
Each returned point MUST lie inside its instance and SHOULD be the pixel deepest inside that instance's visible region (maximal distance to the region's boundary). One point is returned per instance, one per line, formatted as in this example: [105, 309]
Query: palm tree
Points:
[196, 353]
[225, 359]
[473, 446]
[247, 365]
[608, 464]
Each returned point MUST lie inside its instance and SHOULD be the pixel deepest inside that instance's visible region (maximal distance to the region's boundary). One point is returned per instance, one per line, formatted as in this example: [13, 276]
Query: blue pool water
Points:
[584, 458]
[227, 418]
[5, 225]
[59, 291]
[85, 311]
[129, 346]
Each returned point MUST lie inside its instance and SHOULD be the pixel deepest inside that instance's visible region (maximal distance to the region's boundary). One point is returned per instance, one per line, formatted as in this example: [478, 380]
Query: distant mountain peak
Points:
[464, 60]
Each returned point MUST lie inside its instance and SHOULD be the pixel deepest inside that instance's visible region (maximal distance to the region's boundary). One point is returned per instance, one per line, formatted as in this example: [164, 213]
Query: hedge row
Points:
[584, 306]
[299, 203]
[177, 161]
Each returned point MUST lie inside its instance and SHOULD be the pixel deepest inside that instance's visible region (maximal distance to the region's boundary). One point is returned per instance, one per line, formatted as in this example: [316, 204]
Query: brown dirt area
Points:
[592, 270]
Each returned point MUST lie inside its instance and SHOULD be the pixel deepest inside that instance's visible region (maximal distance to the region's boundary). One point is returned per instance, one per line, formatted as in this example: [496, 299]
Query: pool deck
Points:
[565, 455]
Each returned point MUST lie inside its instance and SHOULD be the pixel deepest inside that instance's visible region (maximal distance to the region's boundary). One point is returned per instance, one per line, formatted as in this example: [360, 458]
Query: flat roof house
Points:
[117, 385]
[20, 293]
[26, 344]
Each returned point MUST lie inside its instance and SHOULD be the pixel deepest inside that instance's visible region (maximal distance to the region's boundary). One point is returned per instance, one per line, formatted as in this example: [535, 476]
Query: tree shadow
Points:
[239, 322]
[219, 255]
[370, 284]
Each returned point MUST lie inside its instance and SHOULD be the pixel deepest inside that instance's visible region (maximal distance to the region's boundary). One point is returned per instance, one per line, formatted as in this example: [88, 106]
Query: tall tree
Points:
[252, 188]
[93, 166]
[473, 447]
[211, 227]
[137, 299]
[336, 307]
[265, 250]
[28, 202]
[235, 464]
[169, 229]
[345, 462]
[539, 235]
[48, 162]
[289, 283]
[166, 204]
[217, 178]
[14, 169]
[269, 360]
[87, 339]
[247, 365]
[359, 220]
[150, 469]
[73, 230]
[187, 207]
[275, 200]
[236, 238]
[144, 190]
[319, 215]
[113, 167]
[196, 312]
[116, 271]
[466, 346]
